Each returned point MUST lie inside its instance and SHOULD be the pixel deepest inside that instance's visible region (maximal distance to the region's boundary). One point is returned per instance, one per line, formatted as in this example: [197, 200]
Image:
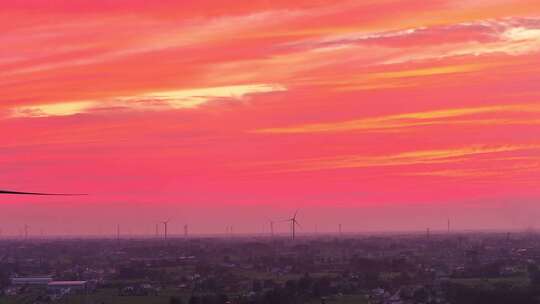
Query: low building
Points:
[68, 287]
[31, 281]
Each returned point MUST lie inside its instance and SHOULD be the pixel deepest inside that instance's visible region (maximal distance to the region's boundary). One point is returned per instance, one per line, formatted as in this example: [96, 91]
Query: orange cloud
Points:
[501, 170]
[420, 157]
[407, 120]
[181, 99]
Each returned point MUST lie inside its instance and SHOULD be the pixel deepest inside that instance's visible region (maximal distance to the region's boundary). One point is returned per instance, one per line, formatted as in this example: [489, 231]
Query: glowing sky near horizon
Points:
[381, 115]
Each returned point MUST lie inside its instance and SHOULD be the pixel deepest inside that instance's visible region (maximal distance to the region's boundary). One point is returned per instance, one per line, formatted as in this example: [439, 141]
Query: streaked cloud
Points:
[419, 157]
[501, 170]
[55, 109]
[165, 100]
[407, 120]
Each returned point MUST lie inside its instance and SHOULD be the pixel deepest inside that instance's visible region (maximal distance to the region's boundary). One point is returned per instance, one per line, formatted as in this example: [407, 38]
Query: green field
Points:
[346, 299]
[106, 296]
[110, 296]
[517, 281]
[280, 278]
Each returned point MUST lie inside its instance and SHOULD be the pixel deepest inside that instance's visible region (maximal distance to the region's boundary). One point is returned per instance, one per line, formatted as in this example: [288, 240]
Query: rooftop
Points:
[65, 283]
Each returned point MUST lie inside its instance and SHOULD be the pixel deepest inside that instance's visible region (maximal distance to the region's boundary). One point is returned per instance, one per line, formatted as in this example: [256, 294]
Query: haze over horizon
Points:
[380, 115]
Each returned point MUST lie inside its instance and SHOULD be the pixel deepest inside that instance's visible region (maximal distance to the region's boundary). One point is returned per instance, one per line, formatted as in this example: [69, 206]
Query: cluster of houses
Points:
[389, 270]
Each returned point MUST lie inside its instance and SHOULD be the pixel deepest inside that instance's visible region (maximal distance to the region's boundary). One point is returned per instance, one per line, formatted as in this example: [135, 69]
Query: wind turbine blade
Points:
[38, 193]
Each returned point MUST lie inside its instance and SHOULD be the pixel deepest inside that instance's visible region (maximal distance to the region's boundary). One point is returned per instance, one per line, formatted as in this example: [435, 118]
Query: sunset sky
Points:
[377, 114]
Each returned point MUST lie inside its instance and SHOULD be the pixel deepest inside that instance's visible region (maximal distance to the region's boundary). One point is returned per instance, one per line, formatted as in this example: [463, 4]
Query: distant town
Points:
[442, 267]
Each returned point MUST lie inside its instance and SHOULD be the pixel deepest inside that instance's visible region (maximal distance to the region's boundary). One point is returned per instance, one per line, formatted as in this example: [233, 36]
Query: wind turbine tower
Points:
[26, 231]
[229, 231]
[272, 228]
[165, 223]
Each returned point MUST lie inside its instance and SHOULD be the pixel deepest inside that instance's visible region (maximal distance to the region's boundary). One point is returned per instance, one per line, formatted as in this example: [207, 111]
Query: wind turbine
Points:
[36, 193]
[293, 222]
[165, 223]
[271, 222]
[229, 231]
[26, 231]
[10, 192]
